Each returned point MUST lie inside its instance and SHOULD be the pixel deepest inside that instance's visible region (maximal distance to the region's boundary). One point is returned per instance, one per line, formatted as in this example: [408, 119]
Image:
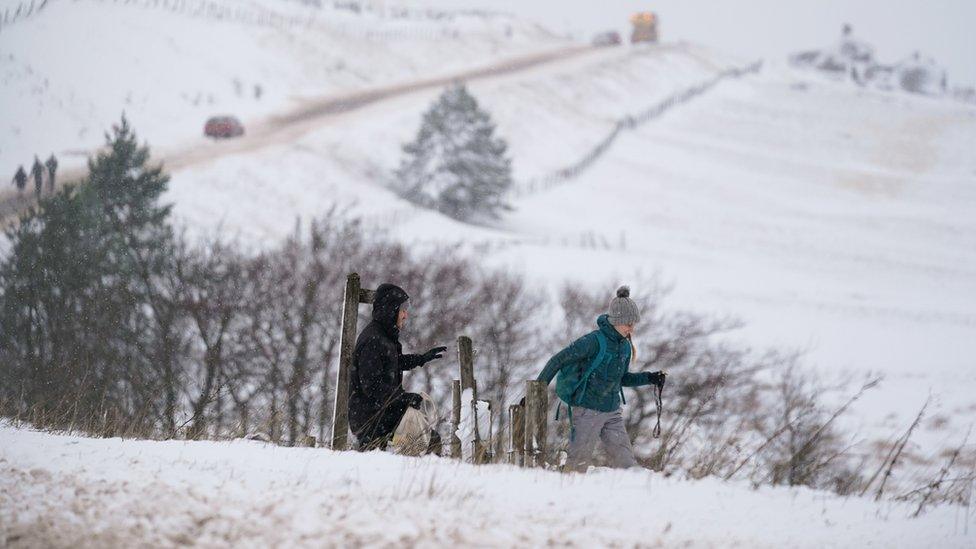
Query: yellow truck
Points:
[644, 27]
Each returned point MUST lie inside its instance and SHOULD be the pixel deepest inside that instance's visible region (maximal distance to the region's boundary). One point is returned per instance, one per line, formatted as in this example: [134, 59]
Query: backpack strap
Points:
[572, 427]
[658, 391]
[630, 354]
[580, 388]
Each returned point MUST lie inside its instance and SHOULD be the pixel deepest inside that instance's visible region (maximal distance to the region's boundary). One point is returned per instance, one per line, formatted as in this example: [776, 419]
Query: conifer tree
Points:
[77, 288]
[456, 164]
[125, 192]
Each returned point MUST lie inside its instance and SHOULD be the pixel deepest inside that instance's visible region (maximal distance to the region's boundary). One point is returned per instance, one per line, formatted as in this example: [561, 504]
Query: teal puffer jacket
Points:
[602, 390]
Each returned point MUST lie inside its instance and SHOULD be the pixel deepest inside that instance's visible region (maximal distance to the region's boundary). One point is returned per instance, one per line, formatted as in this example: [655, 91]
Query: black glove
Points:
[433, 354]
[658, 378]
[414, 400]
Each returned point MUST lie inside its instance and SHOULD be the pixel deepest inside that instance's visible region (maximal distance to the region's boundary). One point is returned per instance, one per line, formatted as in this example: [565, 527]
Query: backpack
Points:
[579, 389]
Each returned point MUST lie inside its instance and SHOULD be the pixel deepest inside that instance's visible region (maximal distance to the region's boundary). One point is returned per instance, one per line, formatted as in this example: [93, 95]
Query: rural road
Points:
[288, 126]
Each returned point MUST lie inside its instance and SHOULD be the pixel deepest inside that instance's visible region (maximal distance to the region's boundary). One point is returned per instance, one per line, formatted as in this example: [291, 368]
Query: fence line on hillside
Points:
[630, 122]
[201, 9]
[269, 17]
[23, 10]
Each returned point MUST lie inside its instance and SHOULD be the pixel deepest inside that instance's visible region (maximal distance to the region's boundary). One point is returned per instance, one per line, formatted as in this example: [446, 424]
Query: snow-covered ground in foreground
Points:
[68, 71]
[64, 491]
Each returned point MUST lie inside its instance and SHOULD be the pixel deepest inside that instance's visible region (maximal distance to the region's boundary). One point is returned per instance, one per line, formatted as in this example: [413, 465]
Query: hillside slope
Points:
[63, 491]
[171, 65]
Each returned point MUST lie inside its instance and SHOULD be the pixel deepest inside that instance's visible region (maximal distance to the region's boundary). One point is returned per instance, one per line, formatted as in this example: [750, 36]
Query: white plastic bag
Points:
[412, 435]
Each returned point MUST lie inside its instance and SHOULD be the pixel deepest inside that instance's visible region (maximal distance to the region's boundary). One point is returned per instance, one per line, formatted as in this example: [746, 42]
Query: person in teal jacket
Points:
[592, 373]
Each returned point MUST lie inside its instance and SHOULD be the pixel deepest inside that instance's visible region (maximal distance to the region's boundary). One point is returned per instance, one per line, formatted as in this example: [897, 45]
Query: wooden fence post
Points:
[516, 441]
[484, 451]
[354, 295]
[466, 365]
[455, 418]
[536, 409]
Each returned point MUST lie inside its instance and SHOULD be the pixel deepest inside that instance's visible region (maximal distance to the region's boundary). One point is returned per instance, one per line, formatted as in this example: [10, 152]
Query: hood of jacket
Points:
[603, 323]
[386, 307]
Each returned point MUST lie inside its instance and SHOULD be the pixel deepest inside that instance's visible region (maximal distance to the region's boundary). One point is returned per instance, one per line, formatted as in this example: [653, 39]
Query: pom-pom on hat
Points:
[622, 309]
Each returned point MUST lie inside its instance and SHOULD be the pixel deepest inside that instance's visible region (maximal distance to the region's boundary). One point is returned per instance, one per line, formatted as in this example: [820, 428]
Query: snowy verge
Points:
[61, 491]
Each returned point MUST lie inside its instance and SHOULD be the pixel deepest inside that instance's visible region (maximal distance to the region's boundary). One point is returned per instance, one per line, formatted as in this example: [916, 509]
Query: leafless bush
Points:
[953, 483]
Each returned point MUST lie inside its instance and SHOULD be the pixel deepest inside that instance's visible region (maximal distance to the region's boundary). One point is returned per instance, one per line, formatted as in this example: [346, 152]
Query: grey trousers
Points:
[591, 425]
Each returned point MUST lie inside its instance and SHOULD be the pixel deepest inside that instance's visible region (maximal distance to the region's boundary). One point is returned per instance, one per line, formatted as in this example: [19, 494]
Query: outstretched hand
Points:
[433, 354]
[658, 378]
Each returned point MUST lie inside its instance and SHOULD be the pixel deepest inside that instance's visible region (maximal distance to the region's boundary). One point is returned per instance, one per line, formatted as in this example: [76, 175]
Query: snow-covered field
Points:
[831, 219]
[69, 71]
[65, 491]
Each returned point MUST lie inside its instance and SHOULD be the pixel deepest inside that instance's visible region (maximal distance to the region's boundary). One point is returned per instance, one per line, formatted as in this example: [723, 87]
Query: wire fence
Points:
[21, 11]
[630, 122]
[303, 14]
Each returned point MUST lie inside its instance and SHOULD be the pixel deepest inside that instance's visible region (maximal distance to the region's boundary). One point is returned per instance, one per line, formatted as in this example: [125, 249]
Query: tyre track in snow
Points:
[311, 114]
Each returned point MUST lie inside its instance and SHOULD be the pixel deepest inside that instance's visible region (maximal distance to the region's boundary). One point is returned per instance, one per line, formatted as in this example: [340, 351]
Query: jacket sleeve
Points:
[636, 379]
[409, 362]
[581, 349]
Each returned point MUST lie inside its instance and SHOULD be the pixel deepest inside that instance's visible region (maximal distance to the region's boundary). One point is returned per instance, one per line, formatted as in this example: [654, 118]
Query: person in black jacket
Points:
[20, 179]
[52, 167]
[377, 400]
[37, 170]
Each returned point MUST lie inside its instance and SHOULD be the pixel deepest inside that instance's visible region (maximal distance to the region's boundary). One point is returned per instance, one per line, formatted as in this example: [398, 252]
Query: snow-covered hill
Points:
[550, 116]
[831, 219]
[69, 70]
[64, 491]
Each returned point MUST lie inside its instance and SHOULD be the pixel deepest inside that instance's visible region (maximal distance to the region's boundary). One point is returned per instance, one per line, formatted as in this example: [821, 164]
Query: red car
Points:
[223, 127]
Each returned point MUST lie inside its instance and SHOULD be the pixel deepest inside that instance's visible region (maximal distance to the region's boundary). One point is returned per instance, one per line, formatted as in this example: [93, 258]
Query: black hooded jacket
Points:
[377, 400]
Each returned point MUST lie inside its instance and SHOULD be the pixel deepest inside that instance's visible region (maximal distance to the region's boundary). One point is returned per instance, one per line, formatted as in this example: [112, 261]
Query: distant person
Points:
[52, 167]
[37, 170]
[377, 400]
[592, 373]
[20, 179]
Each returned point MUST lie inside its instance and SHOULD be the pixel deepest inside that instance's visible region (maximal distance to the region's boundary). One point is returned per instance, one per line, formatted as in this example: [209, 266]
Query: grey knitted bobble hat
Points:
[622, 309]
